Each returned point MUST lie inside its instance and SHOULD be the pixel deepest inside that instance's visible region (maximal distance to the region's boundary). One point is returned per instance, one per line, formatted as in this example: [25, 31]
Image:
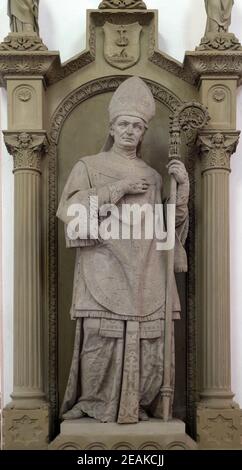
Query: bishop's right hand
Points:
[135, 185]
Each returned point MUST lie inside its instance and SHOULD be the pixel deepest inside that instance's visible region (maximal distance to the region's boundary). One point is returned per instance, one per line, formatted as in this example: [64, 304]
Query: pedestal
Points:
[88, 434]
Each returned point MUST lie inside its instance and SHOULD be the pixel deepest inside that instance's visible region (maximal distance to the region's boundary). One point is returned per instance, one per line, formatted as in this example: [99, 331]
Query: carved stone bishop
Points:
[120, 284]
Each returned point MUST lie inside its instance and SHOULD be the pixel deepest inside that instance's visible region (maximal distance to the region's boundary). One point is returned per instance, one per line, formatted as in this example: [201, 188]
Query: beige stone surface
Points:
[219, 95]
[86, 434]
[23, 15]
[219, 429]
[218, 15]
[26, 429]
[25, 103]
[77, 90]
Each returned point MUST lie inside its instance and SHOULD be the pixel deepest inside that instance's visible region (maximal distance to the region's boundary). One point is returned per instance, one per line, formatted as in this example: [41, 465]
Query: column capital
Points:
[216, 148]
[26, 149]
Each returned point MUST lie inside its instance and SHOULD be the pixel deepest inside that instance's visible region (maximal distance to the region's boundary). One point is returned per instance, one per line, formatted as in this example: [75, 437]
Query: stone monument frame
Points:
[102, 85]
[31, 72]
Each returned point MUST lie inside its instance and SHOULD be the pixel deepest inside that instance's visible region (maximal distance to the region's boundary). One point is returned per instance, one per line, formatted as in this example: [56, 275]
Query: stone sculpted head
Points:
[130, 110]
[127, 131]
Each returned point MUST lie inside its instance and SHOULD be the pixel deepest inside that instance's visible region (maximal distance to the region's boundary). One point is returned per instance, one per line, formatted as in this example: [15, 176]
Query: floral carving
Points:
[132, 4]
[72, 66]
[220, 430]
[25, 430]
[219, 95]
[22, 43]
[24, 94]
[187, 118]
[193, 116]
[216, 149]
[172, 66]
[25, 63]
[220, 43]
[26, 149]
[213, 62]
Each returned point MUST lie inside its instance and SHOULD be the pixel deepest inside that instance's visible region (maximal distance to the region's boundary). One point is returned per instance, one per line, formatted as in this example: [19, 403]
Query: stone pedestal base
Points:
[26, 429]
[88, 434]
[22, 42]
[219, 429]
[219, 42]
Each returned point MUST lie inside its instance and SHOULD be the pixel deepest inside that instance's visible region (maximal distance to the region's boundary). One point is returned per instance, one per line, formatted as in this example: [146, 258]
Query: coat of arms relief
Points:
[122, 44]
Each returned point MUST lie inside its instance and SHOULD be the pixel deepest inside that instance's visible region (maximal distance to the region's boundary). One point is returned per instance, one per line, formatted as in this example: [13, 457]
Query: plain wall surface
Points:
[62, 27]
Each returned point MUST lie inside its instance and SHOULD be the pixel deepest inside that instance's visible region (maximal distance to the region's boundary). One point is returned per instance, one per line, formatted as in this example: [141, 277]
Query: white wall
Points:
[181, 25]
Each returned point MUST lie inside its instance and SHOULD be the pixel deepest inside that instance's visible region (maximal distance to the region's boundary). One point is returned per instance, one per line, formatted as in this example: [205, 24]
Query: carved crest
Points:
[122, 44]
[132, 4]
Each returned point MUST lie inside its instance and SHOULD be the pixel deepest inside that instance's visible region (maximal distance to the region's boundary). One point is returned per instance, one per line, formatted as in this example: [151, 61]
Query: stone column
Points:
[218, 415]
[29, 428]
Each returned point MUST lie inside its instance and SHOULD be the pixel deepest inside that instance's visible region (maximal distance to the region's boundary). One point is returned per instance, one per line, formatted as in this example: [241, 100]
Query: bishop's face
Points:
[127, 132]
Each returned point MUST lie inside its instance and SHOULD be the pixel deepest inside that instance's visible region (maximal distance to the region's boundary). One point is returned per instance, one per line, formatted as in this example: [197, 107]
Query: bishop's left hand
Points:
[177, 169]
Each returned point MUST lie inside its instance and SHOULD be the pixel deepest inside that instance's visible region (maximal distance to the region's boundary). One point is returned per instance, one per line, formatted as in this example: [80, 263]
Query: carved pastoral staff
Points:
[120, 285]
[219, 15]
[23, 16]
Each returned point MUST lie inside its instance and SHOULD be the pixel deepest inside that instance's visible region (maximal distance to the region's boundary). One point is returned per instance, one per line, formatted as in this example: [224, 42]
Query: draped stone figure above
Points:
[119, 286]
[218, 15]
[23, 16]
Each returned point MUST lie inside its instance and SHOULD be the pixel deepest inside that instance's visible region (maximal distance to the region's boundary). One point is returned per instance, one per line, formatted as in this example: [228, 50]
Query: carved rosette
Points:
[219, 429]
[122, 4]
[216, 149]
[26, 149]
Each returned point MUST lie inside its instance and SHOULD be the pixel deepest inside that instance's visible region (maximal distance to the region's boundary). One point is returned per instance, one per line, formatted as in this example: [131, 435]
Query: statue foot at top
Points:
[74, 413]
[143, 415]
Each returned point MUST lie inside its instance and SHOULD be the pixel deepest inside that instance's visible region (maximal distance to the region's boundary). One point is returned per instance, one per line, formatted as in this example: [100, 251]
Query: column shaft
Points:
[216, 301]
[216, 149]
[26, 149]
[27, 297]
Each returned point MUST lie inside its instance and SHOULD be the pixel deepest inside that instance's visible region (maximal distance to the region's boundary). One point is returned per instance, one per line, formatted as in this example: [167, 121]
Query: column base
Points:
[219, 429]
[89, 434]
[217, 399]
[25, 429]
